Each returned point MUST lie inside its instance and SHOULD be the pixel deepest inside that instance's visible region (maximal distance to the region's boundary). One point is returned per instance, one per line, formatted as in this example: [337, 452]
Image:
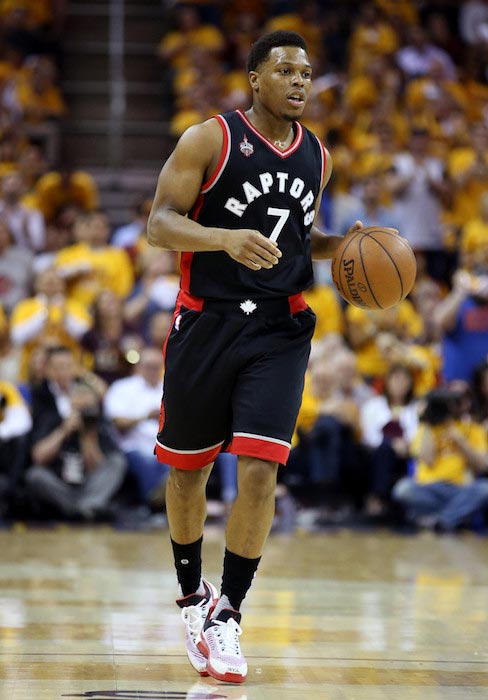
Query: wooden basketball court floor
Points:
[90, 613]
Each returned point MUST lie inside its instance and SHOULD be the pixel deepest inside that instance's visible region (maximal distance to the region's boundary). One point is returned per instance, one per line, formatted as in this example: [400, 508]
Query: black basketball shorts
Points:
[234, 374]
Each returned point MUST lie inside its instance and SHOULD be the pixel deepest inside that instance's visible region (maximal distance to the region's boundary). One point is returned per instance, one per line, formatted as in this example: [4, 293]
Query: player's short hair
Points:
[261, 48]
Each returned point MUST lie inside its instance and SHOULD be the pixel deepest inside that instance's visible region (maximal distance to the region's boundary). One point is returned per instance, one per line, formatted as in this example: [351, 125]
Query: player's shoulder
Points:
[208, 131]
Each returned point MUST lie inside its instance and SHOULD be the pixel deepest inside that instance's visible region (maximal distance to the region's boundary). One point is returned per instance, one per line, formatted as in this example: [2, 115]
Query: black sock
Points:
[188, 563]
[237, 578]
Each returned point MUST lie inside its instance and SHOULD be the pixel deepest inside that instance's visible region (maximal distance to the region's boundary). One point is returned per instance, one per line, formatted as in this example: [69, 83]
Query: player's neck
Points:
[279, 131]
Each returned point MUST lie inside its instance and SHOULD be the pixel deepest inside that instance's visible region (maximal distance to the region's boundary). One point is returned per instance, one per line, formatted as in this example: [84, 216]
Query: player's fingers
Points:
[271, 256]
[268, 245]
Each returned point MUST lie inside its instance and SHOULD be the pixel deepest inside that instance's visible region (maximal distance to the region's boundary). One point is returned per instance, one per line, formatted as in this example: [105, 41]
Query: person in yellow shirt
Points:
[47, 316]
[90, 265]
[323, 299]
[364, 328]
[467, 166]
[67, 187]
[473, 245]
[450, 453]
[373, 36]
[36, 93]
[176, 47]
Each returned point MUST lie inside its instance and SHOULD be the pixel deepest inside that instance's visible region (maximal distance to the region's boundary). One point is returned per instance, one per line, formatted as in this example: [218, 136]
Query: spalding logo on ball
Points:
[374, 268]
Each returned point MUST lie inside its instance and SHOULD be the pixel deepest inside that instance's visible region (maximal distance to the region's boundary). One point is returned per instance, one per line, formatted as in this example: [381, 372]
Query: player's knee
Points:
[183, 480]
[257, 477]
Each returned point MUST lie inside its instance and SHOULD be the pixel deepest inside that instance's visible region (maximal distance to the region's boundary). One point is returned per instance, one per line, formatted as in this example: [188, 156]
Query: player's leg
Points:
[193, 426]
[266, 401]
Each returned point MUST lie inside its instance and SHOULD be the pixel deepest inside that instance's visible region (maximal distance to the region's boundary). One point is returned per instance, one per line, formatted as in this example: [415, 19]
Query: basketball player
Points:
[238, 197]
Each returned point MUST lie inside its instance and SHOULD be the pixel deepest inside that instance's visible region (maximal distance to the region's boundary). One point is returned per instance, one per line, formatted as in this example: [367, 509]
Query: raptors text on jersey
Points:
[257, 186]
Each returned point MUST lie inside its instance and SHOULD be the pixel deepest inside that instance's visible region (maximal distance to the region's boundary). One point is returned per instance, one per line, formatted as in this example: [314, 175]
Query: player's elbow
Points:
[155, 231]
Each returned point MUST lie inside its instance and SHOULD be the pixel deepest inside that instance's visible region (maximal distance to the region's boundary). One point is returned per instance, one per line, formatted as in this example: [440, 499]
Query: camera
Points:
[90, 416]
[440, 406]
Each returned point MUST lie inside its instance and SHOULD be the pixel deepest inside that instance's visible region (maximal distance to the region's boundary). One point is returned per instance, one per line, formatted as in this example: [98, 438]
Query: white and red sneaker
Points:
[194, 611]
[219, 643]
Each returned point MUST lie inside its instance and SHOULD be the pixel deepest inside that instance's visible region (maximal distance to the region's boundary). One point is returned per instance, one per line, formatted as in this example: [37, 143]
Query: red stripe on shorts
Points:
[186, 460]
[261, 449]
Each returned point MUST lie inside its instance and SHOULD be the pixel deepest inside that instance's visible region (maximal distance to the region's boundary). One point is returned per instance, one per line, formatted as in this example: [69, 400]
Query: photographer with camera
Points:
[450, 452]
[77, 466]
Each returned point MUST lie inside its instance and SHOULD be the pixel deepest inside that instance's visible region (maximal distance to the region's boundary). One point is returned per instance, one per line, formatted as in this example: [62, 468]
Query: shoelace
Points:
[227, 634]
[195, 616]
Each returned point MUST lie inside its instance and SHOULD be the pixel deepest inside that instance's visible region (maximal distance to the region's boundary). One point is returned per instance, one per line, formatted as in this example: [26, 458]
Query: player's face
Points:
[282, 83]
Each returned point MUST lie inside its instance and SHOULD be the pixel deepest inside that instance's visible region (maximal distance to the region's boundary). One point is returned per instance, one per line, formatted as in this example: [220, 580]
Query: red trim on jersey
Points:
[324, 161]
[185, 264]
[262, 449]
[186, 460]
[283, 154]
[195, 210]
[224, 155]
[297, 303]
[189, 301]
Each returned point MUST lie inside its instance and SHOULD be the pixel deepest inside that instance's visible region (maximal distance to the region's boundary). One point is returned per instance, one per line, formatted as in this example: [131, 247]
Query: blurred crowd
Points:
[394, 420]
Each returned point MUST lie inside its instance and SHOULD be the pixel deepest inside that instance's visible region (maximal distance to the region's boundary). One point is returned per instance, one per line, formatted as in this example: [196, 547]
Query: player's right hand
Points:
[252, 249]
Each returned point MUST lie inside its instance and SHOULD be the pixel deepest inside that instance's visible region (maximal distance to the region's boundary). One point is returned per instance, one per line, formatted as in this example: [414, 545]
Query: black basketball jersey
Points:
[257, 186]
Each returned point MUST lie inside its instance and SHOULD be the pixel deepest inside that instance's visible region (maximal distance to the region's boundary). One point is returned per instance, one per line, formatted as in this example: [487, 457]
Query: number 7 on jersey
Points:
[283, 215]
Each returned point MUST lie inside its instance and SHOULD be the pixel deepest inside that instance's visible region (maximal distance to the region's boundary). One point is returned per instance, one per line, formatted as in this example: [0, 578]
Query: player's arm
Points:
[178, 188]
[324, 245]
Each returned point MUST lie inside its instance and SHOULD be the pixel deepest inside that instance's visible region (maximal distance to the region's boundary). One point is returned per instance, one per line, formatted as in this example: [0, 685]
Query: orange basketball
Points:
[374, 268]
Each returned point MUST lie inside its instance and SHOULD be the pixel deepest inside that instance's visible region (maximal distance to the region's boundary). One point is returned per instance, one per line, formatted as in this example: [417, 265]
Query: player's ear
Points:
[254, 80]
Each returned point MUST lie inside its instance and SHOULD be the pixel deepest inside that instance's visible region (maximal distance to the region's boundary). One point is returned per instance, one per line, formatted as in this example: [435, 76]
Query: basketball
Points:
[374, 268]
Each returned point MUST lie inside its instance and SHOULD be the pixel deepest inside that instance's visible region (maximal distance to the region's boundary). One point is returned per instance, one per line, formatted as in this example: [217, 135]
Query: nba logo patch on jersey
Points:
[246, 147]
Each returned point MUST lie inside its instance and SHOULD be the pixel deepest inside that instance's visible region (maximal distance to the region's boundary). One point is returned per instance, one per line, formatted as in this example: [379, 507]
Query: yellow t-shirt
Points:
[407, 324]
[61, 324]
[51, 194]
[91, 270]
[324, 302]
[466, 201]
[49, 101]
[369, 41]
[450, 464]
[474, 240]
[205, 36]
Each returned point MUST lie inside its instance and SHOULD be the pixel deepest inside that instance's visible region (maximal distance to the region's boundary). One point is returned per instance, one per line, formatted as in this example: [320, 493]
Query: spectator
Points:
[419, 188]
[66, 187]
[137, 423]
[15, 270]
[48, 315]
[450, 456]
[37, 96]
[155, 291]
[77, 466]
[373, 36]
[473, 21]
[473, 244]
[367, 332]
[91, 265]
[15, 424]
[479, 387]
[389, 422]
[177, 45]
[104, 349]
[467, 167]
[128, 236]
[462, 318]
[416, 59]
[371, 211]
[27, 225]
[328, 462]
[9, 354]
